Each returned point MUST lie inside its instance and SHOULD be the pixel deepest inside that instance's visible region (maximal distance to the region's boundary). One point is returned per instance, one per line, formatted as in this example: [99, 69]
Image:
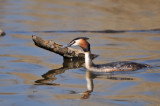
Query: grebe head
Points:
[80, 41]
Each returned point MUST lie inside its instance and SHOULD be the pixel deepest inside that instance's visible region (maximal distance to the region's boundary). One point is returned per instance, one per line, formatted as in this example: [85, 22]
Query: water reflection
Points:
[92, 75]
[50, 77]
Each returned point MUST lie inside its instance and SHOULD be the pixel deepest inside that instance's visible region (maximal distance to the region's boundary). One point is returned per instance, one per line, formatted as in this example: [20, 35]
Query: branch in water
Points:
[57, 48]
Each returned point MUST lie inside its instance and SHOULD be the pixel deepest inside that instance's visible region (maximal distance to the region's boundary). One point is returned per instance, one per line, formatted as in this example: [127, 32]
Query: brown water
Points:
[32, 76]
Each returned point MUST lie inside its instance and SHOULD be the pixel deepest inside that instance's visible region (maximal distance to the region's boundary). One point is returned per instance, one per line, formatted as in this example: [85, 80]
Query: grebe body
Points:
[109, 67]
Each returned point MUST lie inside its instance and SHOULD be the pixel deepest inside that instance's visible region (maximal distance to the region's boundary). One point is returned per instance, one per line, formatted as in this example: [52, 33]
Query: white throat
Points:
[88, 61]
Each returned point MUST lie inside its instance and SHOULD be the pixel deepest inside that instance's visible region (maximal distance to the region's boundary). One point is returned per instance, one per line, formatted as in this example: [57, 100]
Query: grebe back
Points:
[109, 67]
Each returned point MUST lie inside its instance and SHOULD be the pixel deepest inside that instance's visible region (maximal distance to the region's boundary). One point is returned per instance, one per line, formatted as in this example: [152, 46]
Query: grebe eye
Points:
[73, 42]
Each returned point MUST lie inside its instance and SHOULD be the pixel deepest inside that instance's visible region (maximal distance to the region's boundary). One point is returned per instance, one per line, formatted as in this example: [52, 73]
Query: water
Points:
[32, 76]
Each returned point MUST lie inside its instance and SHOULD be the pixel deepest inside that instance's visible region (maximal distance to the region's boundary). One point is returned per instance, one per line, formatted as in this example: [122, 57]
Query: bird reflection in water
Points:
[92, 75]
[50, 76]
[90, 85]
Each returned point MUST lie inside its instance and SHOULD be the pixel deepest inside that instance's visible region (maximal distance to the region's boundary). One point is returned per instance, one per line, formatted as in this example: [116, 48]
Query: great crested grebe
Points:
[109, 67]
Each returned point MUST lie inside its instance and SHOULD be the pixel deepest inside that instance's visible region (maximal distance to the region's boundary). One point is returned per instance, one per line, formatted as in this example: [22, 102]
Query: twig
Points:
[68, 52]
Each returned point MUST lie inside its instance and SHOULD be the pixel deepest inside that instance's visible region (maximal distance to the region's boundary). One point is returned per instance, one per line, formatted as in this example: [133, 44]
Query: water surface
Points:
[118, 31]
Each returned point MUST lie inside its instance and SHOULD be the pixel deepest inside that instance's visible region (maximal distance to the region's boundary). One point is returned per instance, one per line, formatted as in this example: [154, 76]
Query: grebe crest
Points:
[82, 42]
[109, 67]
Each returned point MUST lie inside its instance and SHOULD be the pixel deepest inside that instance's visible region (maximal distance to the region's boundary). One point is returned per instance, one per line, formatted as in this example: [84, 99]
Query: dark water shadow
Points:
[49, 77]
[87, 31]
[98, 31]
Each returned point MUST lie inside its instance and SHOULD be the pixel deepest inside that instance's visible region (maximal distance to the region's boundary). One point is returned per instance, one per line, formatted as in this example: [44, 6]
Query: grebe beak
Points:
[68, 45]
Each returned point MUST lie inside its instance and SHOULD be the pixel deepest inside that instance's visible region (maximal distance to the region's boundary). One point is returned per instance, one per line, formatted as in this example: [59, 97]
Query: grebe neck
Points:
[87, 51]
[88, 60]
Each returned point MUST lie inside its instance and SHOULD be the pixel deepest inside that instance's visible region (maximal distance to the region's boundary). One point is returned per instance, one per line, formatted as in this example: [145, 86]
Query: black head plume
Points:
[85, 38]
